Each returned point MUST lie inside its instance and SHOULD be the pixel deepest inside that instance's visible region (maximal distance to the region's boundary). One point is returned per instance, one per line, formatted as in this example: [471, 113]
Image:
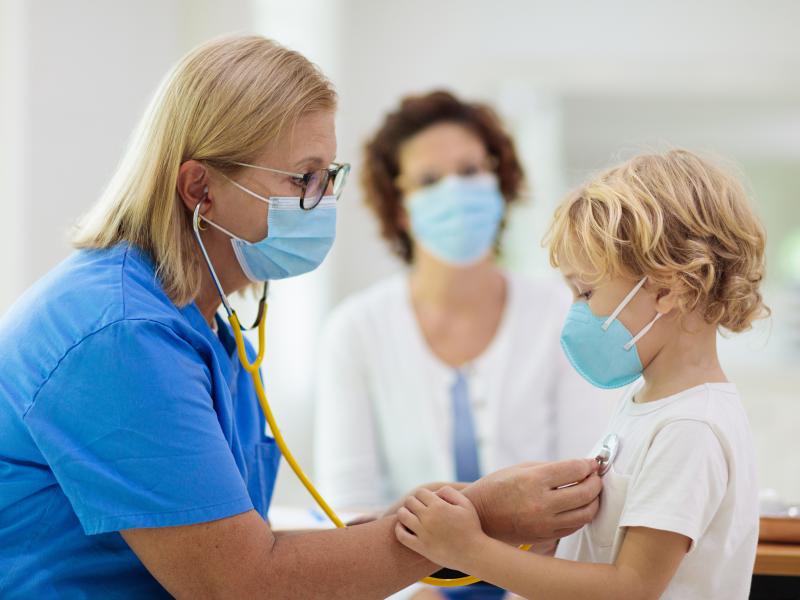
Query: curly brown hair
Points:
[416, 113]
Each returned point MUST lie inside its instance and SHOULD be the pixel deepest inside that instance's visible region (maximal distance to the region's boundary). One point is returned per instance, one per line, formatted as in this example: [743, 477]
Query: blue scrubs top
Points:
[118, 410]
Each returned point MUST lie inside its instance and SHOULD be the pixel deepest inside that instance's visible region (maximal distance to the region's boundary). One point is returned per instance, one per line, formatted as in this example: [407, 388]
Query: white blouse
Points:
[384, 406]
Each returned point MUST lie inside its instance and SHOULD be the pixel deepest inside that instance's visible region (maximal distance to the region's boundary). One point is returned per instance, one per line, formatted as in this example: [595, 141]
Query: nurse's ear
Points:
[193, 182]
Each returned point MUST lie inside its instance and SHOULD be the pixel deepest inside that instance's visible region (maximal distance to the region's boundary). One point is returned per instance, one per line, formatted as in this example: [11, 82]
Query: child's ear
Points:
[667, 298]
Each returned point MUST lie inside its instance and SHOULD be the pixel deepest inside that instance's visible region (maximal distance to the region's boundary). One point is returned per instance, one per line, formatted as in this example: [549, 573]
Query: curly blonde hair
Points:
[679, 220]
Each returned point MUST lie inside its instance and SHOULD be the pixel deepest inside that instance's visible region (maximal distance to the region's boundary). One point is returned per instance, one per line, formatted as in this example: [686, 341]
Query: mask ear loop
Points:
[623, 304]
[644, 330]
[245, 190]
[619, 309]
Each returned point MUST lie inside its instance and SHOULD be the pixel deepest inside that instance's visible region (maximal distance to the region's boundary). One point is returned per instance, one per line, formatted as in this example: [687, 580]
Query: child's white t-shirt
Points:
[686, 464]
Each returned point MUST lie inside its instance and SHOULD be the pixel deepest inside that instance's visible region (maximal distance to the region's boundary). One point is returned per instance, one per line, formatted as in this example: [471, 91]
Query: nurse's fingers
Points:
[413, 504]
[558, 474]
[408, 519]
[576, 518]
[409, 540]
[576, 496]
[426, 496]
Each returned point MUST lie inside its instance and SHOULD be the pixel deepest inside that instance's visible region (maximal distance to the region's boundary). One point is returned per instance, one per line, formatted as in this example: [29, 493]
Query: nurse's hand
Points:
[528, 503]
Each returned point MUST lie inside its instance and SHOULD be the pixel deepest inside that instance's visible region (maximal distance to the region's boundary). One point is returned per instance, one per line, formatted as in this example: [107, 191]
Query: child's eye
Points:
[586, 295]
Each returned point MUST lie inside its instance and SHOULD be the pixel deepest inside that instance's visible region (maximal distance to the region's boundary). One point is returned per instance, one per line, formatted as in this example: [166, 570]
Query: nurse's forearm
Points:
[240, 557]
[364, 561]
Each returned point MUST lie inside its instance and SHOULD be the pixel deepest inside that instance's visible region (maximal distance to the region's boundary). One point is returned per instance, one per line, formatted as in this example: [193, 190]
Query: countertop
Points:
[777, 559]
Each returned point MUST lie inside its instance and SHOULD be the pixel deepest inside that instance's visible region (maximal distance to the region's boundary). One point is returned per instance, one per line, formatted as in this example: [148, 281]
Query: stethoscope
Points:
[444, 577]
[609, 450]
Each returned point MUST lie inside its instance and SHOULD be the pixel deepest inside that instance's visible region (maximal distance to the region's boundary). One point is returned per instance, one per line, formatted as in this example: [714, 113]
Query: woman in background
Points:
[452, 368]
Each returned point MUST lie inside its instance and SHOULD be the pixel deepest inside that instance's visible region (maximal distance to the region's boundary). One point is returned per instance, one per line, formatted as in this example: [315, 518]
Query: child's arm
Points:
[445, 528]
[647, 561]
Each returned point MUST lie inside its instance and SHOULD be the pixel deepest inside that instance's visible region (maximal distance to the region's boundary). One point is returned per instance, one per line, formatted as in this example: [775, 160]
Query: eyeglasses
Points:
[314, 184]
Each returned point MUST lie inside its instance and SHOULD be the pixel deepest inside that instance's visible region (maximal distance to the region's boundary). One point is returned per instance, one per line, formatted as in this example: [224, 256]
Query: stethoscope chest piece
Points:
[608, 452]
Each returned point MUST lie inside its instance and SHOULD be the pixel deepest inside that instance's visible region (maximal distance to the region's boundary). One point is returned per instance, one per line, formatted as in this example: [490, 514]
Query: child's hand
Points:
[444, 527]
[433, 486]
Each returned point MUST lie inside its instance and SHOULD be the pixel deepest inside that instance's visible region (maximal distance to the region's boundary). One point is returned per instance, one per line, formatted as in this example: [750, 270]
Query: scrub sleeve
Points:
[128, 425]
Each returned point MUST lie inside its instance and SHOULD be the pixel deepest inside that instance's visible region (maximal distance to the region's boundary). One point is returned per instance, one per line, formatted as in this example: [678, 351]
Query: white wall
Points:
[13, 148]
[77, 76]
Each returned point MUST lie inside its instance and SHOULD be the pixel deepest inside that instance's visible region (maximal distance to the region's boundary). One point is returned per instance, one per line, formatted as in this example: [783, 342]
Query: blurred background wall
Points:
[581, 84]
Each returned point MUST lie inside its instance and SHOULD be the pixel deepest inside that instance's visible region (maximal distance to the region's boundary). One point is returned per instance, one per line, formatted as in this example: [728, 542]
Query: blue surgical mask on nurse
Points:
[297, 240]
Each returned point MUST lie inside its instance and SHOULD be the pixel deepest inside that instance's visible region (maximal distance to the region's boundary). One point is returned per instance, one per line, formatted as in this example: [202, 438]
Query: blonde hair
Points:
[679, 220]
[222, 103]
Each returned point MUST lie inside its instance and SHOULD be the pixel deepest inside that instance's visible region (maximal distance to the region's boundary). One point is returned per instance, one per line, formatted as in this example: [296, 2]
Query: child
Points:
[660, 253]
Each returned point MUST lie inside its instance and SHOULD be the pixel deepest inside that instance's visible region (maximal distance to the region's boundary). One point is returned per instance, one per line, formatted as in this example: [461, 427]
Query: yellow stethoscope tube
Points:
[253, 369]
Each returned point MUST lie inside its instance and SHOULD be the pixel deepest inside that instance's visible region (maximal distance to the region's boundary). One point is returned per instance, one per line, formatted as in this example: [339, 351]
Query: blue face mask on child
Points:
[457, 218]
[602, 350]
[297, 240]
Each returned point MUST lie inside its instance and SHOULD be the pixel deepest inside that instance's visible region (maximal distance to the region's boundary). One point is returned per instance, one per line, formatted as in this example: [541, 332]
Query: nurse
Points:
[133, 459]
[451, 369]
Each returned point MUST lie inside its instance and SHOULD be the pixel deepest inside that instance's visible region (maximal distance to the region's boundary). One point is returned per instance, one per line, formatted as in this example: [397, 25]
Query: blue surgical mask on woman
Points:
[297, 240]
[602, 349]
[457, 218]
